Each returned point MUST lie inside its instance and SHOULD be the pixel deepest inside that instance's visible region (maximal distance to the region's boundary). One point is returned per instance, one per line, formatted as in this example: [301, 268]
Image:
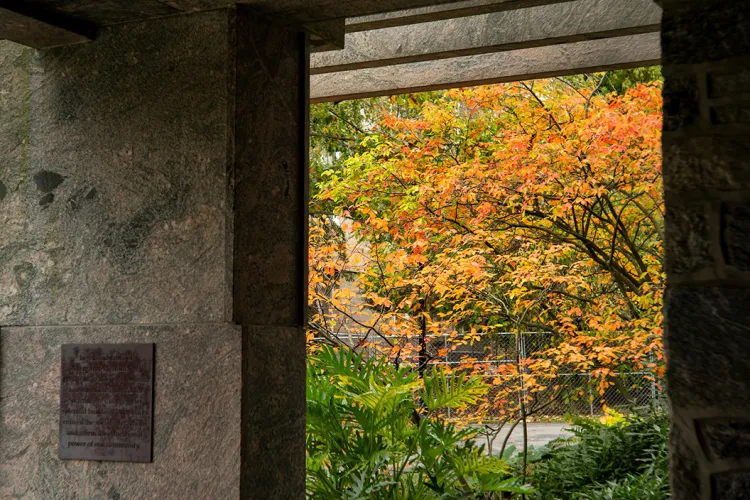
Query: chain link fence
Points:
[489, 356]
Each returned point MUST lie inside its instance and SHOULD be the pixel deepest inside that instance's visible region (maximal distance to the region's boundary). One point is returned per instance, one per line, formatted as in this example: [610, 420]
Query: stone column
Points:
[706, 53]
[120, 221]
[270, 257]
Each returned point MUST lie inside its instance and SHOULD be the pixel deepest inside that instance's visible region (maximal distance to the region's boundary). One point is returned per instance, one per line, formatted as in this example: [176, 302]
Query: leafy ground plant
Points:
[374, 432]
[623, 460]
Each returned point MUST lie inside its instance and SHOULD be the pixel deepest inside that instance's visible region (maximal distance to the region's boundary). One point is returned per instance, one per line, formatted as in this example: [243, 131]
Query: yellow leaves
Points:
[379, 301]
[505, 220]
[473, 336]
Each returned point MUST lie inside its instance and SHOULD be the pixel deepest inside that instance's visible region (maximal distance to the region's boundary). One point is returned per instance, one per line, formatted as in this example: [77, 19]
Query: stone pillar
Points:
[270, 257]
[120, 221]
[706, 54]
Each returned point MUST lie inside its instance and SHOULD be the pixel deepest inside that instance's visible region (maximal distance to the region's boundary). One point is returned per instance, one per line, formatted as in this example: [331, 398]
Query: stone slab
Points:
[107, 12]
[113, 159]
[522, 64]
[103, 12]
[270, 213]
[273, 445]
[500, 31]
[38, 33]
[196, 447]
[302, 11]
[707, 340]
[439, 12]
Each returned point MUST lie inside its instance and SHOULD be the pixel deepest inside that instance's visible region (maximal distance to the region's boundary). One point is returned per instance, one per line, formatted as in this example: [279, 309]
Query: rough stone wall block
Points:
[706, 57]
[113, 171]
[153, 187]
[196, 446]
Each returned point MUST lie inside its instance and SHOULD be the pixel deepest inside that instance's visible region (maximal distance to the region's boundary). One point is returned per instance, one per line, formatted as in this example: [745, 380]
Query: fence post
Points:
[591, 398]
[446, 359]
[653, 381]
[522, 341]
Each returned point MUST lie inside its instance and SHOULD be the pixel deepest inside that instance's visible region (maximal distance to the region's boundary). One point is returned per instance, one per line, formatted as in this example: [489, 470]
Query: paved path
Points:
[539, 435]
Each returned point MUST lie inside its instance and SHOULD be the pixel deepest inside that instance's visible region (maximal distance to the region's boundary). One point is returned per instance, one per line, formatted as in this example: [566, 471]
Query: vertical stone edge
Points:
[304, 173]
[270, 258]
[230, 165]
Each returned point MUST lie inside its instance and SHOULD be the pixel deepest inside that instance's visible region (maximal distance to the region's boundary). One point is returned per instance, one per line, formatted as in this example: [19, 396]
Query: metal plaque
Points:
[106, 402]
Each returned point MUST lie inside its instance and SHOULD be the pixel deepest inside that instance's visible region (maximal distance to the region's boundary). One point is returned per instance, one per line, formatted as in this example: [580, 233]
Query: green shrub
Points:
[628, 460]
[373, 432]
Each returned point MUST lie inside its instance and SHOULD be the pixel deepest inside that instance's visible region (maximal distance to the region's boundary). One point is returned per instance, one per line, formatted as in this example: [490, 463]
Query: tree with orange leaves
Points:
[533, 206]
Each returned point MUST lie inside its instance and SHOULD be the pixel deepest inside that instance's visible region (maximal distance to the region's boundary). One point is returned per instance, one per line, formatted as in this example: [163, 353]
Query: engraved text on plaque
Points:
[106, 402]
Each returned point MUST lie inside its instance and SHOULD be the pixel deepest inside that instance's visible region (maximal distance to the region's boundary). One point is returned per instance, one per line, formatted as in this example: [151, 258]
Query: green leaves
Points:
[372, 433]
[628, 460]
[451, 391]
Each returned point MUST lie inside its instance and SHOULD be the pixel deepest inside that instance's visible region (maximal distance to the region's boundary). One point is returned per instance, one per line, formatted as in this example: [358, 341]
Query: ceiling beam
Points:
[439, 13]
[501, 31]
[326, 35]
[39, 29]
[523, 64]
[306, 11]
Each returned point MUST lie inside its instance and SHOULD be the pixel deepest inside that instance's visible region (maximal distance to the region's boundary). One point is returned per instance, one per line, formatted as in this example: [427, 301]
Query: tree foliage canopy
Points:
[532, 206]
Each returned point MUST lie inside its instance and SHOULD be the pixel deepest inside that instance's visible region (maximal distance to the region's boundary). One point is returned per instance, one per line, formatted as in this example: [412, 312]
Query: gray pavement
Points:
[539, 434]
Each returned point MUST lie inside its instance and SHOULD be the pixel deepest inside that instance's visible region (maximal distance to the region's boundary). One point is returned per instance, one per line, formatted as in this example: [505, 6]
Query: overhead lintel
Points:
[40, 29]
[524, 64]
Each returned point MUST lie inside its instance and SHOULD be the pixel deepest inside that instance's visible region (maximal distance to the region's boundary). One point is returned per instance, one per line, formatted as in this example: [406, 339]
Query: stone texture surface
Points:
[706, 30]
[728, 83]
[437, 13]
[113, 156]
[725, 439]
[105, 12]
[684, 464]
[270, 254]
[706, 57]
[708, 338]
[688, 237]
[681, 100]
[731, 485]
[521, 64]
[522, 28]
[37, 33]
[196, 451]
[270, 175]
[118, 162]
[736, 228]
[705, 163]
[273, 409]
[316, 10]
[326, 35]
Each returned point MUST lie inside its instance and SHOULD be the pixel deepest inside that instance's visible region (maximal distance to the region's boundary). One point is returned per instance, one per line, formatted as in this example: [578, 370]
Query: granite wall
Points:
[706, 53]
[196, 439]
[113, 162]
[118, 210]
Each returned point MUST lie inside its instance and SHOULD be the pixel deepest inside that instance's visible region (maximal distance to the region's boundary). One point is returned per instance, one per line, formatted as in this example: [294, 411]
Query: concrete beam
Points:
[305, 11]
[439, 13]
[326, 35]
[290, 12]
[39, 30]
[524, 64]
[501, 31]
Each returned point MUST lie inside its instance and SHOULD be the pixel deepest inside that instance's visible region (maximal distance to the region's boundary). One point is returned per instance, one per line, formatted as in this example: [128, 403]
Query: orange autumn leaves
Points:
[534, 206]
